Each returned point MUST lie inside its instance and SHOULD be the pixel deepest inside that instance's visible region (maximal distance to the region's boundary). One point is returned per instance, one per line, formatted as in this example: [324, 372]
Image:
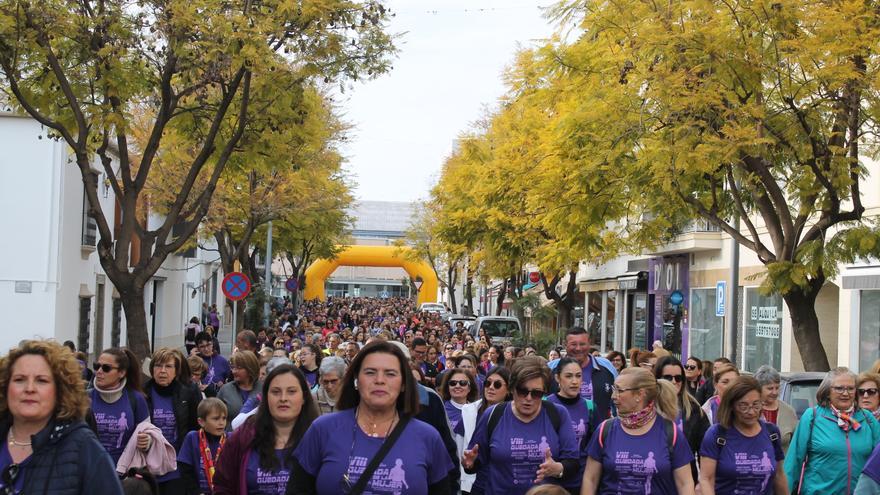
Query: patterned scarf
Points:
[844, 419]
[207, 459]
[638, 419]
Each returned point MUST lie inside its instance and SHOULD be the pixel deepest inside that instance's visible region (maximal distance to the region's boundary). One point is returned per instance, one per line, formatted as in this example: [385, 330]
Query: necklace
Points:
[13, 441]
[374, 426]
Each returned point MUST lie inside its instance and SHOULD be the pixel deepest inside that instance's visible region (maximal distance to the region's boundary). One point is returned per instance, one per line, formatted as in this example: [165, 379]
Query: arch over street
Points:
[381, 256]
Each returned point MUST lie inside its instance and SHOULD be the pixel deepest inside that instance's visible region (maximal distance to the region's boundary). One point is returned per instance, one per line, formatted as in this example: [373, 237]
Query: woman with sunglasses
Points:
[47, 447]
[691, 418]
[742, 453]
[118, 404]
[496, 390]
[866, 388]
[527, 444]
[693, 372]
[641, 451]
[833, 439]
[775, 411]
[569, 376]
[458, 390]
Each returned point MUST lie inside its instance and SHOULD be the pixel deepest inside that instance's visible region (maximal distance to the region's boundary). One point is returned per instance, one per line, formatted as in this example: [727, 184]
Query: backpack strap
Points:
[553, 413]
[494, 417]
[773, 434]
[604, 429]
[671, 437]
[721, 439]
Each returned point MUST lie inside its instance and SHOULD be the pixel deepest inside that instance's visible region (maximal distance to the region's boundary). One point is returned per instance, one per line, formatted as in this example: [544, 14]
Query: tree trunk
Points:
[805, 328]
[502, 293]
[450, 285]
[137, 338]
[469, 295]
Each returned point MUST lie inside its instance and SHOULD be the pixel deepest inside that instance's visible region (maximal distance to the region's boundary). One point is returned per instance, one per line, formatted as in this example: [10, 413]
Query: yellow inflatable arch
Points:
[382, 256]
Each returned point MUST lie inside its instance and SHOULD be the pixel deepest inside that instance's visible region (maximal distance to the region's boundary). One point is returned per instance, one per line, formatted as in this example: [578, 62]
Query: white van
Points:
[500, 329]
[432, 307]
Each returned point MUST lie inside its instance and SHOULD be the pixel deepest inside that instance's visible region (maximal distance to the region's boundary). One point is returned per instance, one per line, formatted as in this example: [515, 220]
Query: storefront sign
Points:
[720, 301]
[668, 282]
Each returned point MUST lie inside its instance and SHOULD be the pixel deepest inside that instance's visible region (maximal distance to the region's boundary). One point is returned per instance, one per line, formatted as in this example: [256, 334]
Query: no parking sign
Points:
[236, 286]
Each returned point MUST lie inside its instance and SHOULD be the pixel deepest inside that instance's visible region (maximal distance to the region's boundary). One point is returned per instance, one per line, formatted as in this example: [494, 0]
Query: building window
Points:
[85, 310]
[594, 317]
[706, 329]
[869, 328]
[89, 226]
[763, 326]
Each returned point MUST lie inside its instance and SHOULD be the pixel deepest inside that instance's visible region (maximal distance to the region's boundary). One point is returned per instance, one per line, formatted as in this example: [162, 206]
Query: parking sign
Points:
[720, 301]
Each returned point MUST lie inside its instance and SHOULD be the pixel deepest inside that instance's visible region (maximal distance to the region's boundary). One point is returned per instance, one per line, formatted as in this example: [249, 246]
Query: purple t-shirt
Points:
[116, 422]
[744, 464]
[453, 412]
[218, 372]
[311, 376]
[516, 449]
[163, 416]
[5, 461]
[334, 447]
[587, 384]
[190, 454]
[639, 465]
[872, 466]
[267, 481]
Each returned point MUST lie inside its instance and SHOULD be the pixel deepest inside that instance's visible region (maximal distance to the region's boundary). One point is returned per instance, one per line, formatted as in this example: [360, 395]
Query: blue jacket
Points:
[68, 460]
[836, 458]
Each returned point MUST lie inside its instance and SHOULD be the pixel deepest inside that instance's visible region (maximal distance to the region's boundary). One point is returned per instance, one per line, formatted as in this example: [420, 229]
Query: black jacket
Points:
[68, 460]
[186, 400]
[695, 427]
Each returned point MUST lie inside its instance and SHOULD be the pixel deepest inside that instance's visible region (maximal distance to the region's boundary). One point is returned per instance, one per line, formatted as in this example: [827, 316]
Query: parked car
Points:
[432, 307]
[452, 318]
[798, 389]
[501, 329]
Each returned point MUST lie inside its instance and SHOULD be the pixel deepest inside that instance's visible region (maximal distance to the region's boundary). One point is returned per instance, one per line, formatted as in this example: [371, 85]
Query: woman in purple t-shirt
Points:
[634, 453]
[569, 376]
[742, 453]
[118, 404]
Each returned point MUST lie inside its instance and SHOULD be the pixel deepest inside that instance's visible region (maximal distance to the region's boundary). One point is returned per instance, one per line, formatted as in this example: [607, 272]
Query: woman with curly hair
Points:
[48, 447]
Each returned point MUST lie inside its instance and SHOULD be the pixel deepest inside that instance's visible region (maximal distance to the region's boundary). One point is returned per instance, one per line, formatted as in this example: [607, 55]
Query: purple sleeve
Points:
[709, 447]
[189, 450]
[872, 467]
[308, 452]
[480, 437]
[141, 410]
[441, 464]
[251, 404]
[568, 446]
[681, 452]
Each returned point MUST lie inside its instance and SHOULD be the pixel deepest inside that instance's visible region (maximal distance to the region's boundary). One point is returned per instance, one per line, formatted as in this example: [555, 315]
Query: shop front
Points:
[669, 302]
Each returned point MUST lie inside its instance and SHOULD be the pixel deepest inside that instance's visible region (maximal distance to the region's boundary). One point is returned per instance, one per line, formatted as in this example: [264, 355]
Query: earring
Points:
[355, 383]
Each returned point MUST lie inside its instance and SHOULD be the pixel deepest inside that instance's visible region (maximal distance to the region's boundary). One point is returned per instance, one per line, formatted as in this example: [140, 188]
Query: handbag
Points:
[389, 442]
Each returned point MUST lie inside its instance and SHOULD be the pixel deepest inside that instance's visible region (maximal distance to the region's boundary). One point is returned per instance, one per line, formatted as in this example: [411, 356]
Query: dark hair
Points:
[127, 361]
[528, 368]
[504, 373]
[249, 337]
[576, 331]
[613, 354]
[443, 390]
[264, 425]
[70, 345]
[470, 357]
[419, 341]
[736, 391]
[407, 400]
[204, 336]
[499, 350]
[563, 362]
[194, 319]
[686, 402]
[139, 481]
[319, 354]
[697, 360]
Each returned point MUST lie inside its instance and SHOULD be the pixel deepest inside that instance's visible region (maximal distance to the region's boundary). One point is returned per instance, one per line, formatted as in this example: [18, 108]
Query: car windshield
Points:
[499, 328]
[803, 395]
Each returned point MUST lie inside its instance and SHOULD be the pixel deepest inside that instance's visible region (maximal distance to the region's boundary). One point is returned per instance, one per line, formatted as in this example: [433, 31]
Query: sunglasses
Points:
[459, 383]
[496, 384]
[106, 368]
[672, 378]
[535, 394]
[690, 367]
[867, 392]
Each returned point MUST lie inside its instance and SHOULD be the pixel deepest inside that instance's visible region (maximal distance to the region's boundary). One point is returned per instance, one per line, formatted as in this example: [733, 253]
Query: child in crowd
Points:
[139, 482]
[201, 449]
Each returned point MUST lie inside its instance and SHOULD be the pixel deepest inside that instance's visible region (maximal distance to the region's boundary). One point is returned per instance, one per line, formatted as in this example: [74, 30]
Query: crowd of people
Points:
[371, 396]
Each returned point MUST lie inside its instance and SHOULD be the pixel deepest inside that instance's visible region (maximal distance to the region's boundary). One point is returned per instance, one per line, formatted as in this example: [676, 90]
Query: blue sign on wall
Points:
[720, 297]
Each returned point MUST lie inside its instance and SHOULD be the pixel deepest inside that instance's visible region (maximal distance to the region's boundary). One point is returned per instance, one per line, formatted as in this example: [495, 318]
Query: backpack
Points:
[498, 411]
[721, 439]
[668, 428]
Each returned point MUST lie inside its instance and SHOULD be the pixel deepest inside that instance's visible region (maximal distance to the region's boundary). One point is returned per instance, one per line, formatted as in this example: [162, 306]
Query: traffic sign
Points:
[236, 286]
[676, 298]
[534, 277]
[292, 284]
[720, 301]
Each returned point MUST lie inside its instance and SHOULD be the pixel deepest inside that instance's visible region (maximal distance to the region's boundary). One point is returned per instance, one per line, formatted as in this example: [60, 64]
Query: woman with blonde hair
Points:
[724, 375]
[47, 446]
[643, 450]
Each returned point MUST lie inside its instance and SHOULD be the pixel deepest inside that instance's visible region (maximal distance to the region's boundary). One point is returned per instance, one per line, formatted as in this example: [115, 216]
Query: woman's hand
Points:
[468, 457]
[548, 468]
[143, 442]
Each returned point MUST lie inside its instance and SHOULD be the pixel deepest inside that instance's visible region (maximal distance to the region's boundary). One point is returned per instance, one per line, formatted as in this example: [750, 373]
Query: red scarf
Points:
[845, 419]
[207, 459]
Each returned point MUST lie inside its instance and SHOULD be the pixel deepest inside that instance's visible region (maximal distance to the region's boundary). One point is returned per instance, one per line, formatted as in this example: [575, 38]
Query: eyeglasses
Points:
[690, 367]
[746, 407]
[867, 392]
[673, 378]
[450, 348]
[619, 390]
[106, 368]
[843, 390]
[535, 394]
[496, 384]
[459, 383]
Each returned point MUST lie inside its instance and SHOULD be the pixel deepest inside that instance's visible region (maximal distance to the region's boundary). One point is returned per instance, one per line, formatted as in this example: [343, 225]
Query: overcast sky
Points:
[450, 60]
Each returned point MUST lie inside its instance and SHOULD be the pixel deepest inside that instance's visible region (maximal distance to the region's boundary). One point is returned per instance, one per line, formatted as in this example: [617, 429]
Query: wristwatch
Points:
[559, 476]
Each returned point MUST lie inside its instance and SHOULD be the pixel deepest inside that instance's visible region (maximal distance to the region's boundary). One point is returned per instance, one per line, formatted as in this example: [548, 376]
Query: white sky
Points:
[451, 57]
